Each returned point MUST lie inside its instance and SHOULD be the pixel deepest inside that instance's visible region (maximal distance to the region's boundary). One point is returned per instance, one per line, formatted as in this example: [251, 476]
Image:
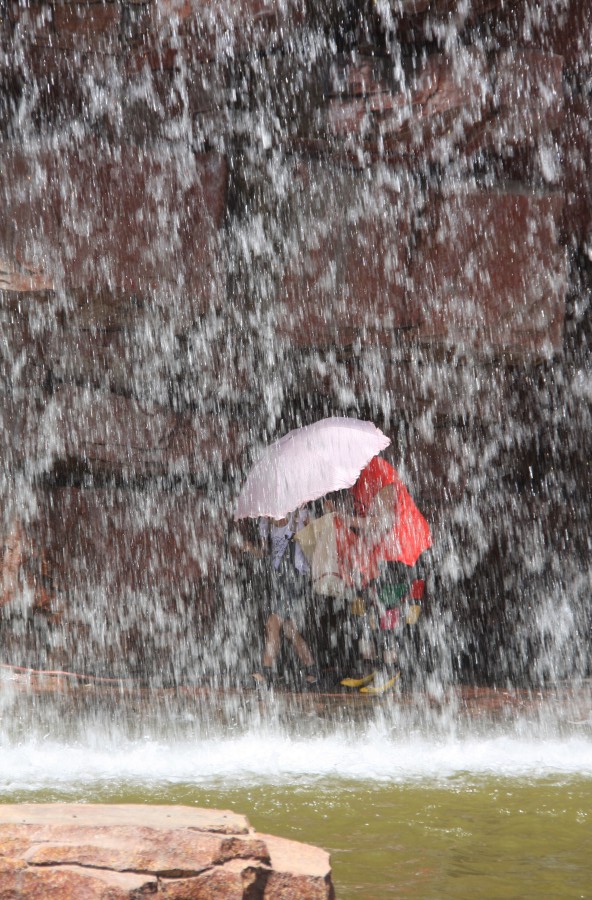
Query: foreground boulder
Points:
[116, 852]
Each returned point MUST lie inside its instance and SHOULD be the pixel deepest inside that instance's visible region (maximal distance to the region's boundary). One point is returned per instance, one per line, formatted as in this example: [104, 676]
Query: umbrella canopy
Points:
[308, 463]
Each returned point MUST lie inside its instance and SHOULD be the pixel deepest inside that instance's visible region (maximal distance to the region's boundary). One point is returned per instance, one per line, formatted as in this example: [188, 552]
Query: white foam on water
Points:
[255, 758]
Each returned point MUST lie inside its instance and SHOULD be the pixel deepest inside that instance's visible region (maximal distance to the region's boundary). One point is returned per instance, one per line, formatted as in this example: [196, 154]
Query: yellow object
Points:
[358, 607]
[381, 687]
[358, 682]
[413, 614]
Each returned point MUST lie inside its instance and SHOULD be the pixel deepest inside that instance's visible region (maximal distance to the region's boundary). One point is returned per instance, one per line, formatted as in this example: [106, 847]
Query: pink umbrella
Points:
[308, 463]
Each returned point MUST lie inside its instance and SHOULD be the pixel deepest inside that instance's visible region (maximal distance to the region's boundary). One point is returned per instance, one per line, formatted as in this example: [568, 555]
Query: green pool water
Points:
[466, 838]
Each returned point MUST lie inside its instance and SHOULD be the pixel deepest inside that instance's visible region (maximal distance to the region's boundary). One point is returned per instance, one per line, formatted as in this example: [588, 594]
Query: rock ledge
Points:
[100, 852]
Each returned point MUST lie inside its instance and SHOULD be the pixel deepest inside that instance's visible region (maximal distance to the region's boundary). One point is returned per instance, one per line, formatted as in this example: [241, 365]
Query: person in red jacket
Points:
[391, 535]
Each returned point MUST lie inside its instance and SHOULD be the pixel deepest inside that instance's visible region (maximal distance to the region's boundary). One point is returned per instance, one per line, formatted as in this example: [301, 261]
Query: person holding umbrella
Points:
[288, 582]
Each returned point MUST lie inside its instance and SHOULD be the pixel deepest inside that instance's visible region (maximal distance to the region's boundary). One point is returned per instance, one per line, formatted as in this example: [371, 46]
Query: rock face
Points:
[117, 852]
[220, 220]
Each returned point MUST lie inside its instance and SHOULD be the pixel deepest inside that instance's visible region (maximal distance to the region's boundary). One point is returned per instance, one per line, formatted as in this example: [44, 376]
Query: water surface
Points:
[409, 807]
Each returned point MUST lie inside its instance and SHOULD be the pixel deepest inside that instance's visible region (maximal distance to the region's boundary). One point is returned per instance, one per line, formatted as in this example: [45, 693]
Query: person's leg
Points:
[272, 640]
[367, 650]
[290, 603]
[300, 646]
[388, 675]
[272, 648]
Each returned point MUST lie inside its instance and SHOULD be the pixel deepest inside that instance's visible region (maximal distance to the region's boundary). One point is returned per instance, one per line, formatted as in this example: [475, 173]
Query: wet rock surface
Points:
[222, 220]
[62, 850]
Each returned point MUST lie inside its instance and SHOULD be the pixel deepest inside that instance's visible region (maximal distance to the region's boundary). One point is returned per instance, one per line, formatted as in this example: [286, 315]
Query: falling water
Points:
[222, 221]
